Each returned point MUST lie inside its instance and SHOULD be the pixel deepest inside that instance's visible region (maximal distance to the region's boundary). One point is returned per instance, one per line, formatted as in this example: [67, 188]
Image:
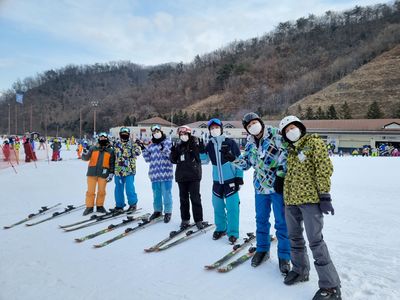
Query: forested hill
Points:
[267, 74]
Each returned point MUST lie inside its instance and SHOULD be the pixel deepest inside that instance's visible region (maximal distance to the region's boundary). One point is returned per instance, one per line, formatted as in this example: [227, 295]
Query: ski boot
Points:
[200, 225]
[101, 209]
[232, 239]
[259, 258]
[218, 234]
[293, 277]
[131, 208]
[155, 215]
[284, 266]
[325, 294]
[117, 209]
[167, 217]
[185, 224]
[87, 211]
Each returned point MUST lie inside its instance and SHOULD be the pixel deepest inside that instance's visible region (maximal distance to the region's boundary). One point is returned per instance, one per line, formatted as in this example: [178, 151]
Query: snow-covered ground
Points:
[42, 262]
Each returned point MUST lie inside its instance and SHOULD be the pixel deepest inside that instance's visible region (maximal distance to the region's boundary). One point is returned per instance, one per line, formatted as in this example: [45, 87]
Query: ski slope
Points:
[43, 262]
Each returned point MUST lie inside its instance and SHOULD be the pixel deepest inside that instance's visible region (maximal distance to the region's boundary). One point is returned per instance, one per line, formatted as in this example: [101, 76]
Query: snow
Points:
[42, 262]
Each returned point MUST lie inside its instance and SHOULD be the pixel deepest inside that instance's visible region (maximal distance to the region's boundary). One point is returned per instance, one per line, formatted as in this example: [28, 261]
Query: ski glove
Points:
[238, 183]
[278, 184]
[109, 177]
[202, 148]
[140, 144]
[325, 204]
[85, 151]
[227, 154]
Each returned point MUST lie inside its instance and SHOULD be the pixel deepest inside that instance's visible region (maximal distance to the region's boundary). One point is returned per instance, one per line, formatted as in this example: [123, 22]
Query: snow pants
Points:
[162, 192]
[313, 219]
[100, 183]
[226, 214]
[263, 211]
[127, 184]
[190, 189]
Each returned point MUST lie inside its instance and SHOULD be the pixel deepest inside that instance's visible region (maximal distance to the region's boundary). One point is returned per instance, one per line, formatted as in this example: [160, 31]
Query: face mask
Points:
[157, 135]
[124, 137]
[215, 132]
[184, 137]
[255, 129]
[103, 143]
[293, 134]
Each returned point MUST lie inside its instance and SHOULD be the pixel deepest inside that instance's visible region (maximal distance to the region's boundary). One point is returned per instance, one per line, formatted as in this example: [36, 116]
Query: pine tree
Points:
[127, 121]
[374, 112]
[331, 113]
[309, 114]
[300, 112]
[320, 115]
[345, 111]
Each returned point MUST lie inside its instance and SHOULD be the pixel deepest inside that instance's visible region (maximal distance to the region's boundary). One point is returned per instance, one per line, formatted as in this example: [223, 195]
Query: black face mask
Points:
[103, 143]
[124, 137]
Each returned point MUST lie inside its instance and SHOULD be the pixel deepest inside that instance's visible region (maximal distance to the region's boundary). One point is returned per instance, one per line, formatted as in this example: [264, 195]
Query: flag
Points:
[19, 98]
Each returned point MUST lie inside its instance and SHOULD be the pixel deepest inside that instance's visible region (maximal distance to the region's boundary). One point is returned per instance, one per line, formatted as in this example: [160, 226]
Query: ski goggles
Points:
[103, 134]
[155, 127]
[124, 130]
[214, 121]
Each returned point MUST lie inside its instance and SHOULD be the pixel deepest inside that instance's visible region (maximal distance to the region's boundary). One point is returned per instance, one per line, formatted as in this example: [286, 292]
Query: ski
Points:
[236, 248]
[189, 234]
[111, 227]
[67, 210]
[238, 261]
[99, 219]
[41, 211]
[171, 236]
[130, 230]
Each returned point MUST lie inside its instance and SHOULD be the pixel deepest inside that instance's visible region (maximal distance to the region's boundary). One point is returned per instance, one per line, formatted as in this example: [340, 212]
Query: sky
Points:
[39, 35]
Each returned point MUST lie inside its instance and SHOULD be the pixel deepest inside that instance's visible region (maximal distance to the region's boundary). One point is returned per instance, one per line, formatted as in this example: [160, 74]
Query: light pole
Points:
[94, 104]
[9, 119]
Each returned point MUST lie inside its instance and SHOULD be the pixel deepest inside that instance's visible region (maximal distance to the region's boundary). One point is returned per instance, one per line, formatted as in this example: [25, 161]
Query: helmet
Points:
[103, 134]
[247, 118]
[184, 129]
[290, 120]
[124, 130]
[155, 127]
[214, 121]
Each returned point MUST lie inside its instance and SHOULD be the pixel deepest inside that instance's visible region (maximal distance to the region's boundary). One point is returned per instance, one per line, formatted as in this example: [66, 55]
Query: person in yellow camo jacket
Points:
[307, 197]
[101, 159]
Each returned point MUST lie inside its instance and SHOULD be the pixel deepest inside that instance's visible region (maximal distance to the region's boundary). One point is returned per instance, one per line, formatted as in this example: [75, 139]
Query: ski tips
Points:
[6, 227]
[78, 240]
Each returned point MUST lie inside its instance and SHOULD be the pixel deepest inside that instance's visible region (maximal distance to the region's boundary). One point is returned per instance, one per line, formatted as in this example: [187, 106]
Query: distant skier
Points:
[227, 181]
[56, 147]
[307, 198]
[29, 154]
[6, 150]
[100, 171]
[185, 154]
[160, 172]
[266, 153]
[126, 154]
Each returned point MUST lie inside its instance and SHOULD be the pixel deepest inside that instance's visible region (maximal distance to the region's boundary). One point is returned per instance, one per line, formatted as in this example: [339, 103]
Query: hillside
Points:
[267, 74]
[378, 80]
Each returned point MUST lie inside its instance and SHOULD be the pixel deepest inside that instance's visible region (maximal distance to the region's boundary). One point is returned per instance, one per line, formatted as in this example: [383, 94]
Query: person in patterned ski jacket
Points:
[266, 153]
[126, 154]
[160, 172]
[307, 198]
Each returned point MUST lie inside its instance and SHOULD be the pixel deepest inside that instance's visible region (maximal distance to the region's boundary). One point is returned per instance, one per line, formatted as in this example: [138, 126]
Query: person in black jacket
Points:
[185, 154]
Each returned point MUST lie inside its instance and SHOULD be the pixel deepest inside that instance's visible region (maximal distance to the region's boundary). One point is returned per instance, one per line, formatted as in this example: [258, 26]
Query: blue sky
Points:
[38, 35]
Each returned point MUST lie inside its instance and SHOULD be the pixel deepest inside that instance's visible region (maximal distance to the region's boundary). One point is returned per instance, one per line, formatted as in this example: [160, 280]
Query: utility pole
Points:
[30, 123]
[80, 123]
[94, 104]
[16, 118]
[9, 119]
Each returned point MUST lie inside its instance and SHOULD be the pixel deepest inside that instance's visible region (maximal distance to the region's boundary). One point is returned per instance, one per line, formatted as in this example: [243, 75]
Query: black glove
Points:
[238, 183]
[226, 153]
[85, 151]
[202, 148]
[278, 184]
[325, 204]
[140, 144]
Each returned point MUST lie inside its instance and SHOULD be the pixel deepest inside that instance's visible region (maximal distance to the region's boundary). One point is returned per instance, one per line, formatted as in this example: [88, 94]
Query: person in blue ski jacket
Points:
[160, 172]
[227, 180]
[266, 152]
[126, 154]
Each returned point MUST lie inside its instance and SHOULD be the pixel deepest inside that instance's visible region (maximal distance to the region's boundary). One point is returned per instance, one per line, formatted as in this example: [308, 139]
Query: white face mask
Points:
[215, 132]
[184, 137]
[293, 134]
[255, 129]
[157, 135]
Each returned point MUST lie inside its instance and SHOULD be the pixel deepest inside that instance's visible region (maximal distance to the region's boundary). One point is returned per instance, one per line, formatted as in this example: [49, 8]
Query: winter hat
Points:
[215, 121]
[184, 130]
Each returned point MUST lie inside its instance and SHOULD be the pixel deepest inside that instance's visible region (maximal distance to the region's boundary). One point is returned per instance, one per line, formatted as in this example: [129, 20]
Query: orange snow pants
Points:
[92, 182]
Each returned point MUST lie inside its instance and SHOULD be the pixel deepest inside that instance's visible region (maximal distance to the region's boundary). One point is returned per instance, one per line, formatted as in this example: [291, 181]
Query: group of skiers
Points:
[292, 172]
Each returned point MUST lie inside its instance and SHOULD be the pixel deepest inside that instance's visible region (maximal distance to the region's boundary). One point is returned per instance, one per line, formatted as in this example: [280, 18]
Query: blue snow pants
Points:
[263, 210]
[125, 183]
[162, 190]
[226, 214]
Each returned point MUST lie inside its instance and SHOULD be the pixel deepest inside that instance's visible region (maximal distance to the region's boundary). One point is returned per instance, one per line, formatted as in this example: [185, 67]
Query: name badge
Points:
[301, 156]
[183, 157]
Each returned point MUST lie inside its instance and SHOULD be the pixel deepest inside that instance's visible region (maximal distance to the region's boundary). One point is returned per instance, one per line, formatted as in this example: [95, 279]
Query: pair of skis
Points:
[41, 211]
[236, 249]
[145, 223]
[188, 233]
[111, 227]
[67, 210]
[96, 219]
